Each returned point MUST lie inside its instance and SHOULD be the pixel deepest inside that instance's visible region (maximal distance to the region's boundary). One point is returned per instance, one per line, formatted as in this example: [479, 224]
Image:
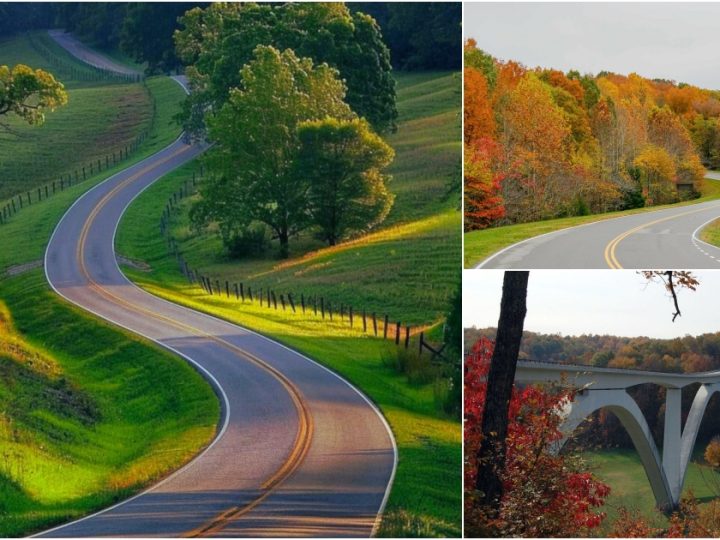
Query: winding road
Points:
[299, 452]
[665, 239]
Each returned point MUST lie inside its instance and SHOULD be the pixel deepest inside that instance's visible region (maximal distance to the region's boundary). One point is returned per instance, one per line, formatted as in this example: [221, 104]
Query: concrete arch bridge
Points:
[606, 388]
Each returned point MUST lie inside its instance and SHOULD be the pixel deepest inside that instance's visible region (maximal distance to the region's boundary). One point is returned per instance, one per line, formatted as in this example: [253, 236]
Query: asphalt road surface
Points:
[299, 452]
[80, 51]
[666, 239]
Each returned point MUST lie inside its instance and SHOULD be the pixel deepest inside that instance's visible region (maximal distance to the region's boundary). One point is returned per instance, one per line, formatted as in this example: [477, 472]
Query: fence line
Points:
[12, 206]
[378, 325]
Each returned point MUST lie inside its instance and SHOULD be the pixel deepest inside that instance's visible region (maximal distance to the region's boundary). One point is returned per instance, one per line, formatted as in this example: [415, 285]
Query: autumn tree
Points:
[482, 193]
[27, 94]
[491, 455]
[545, 493]
[479, 117]
[342, 161]
[253, 164]
[657, 173]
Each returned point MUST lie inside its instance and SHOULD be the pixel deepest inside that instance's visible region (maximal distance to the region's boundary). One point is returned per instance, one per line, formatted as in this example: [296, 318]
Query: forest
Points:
[543, 144]
[688, 354]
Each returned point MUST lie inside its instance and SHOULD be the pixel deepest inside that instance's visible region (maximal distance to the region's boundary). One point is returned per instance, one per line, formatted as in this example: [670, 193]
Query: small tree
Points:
[712, 452]
[28, 93]
[341, 161]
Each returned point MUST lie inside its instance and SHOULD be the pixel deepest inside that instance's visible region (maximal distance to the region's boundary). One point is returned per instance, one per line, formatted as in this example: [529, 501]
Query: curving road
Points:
[299, 452]
[665, 239]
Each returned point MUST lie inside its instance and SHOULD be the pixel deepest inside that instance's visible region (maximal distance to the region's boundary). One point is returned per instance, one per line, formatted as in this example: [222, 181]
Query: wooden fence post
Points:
[374, 319]
[302, 302]
[322, 306]
[422, 342]
[397, 333]
[237, 292]
[364, 322]
[385, 327]
[282, 301]
[242, 291]
[407, 336]
[227, 289]
[350, 314]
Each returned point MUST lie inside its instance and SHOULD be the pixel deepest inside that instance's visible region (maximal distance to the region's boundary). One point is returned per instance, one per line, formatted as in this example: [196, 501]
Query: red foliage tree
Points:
[545, 493]
[483, 200]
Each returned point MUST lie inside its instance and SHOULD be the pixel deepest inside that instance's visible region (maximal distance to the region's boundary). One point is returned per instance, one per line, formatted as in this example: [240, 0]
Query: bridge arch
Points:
[619, 402]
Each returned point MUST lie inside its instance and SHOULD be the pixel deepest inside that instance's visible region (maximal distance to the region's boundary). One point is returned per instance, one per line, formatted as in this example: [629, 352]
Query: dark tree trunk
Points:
[284, 239]
[491, 455]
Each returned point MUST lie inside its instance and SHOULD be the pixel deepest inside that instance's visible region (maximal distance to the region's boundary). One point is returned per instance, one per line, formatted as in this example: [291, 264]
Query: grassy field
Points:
[408, 269]
[101, 118]
[481, 244]
[88, 413]
[623, 472]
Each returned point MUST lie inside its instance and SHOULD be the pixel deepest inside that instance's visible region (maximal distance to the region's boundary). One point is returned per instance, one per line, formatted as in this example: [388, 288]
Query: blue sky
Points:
[617, 302]
[679, 41]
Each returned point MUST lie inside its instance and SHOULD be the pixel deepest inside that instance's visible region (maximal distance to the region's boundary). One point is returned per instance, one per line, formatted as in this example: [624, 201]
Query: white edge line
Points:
[225, 404]
[485, 261]
[388, 489]
[696, 238]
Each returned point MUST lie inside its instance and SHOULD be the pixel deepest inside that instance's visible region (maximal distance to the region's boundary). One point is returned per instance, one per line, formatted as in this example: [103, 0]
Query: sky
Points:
[673, 41]
[614, 302]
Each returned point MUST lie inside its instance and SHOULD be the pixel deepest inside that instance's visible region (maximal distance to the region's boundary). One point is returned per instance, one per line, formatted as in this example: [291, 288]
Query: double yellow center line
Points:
[303, 437]
[610, 256]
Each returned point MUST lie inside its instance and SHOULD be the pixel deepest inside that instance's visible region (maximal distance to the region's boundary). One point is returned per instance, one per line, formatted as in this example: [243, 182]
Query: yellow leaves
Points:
[28, 93]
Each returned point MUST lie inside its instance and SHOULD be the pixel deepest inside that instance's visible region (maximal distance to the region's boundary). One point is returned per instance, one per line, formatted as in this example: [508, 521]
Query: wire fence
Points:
[79, 173]
[319, 307]
[70, 69]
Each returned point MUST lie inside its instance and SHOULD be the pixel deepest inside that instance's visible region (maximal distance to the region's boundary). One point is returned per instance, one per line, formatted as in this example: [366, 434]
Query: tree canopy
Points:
[217, 41]
[254, 171]
[551, 144]
[341, 162]
[28, 93]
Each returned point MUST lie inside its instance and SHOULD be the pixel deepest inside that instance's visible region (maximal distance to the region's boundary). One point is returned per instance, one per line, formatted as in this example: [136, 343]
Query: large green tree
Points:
[216, 42]
[27, 93]
[342, 160]
[253, 163]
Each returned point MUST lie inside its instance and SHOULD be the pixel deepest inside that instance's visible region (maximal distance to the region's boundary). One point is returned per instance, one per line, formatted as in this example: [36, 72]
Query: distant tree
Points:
[97, 22]
[256, 133]
[217, 41]
[28, 93]
[147, 33]
[342, 160]
[420, 35]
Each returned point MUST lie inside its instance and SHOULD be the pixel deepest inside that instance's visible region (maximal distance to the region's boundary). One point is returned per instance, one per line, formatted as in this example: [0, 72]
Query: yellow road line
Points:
[303, 436]
[610, 257]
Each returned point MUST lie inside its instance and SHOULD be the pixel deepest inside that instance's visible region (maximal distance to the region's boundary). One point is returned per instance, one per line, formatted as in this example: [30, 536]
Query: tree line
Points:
[420, 35]
[541, 144]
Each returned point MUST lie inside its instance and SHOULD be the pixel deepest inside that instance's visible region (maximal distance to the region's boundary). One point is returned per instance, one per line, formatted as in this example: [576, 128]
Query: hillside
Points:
[409, 269]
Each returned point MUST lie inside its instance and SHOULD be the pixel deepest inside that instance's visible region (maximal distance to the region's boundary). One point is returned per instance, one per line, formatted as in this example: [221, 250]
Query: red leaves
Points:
[546, 494]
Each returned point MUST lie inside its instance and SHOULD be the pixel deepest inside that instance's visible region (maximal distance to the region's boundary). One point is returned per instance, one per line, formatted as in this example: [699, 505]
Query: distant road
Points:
[666, 239]
[299, 452]
[87, 55]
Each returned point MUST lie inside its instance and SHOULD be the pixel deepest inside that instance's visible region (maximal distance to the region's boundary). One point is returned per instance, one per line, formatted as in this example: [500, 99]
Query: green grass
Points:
[479, 245]
[25, 236]
[88, 413]
[408, 269]
[100, 118]
[623, 472]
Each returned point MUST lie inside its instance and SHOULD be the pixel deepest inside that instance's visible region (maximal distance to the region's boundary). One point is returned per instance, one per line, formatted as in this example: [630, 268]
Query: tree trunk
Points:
[491, 455]
[283, 237]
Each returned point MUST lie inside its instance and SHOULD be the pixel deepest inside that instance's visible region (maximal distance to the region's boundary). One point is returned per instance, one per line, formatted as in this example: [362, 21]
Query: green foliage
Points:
[482, 61]
[147, 33]
[27, 93]
[97, 22]
[253, 163]
[246, 242]
[216, 42]
[341, 160]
